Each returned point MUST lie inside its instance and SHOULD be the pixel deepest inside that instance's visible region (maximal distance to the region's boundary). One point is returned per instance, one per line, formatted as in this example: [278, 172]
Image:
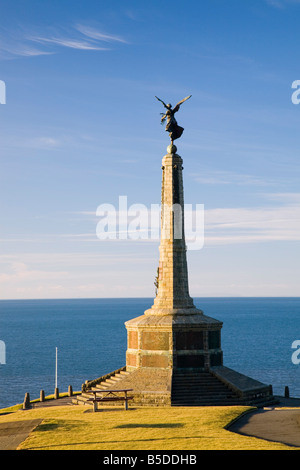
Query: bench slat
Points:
[98, 399]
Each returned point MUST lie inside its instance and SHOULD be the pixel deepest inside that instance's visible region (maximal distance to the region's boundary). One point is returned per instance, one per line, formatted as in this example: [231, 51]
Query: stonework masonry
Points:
[173, 333]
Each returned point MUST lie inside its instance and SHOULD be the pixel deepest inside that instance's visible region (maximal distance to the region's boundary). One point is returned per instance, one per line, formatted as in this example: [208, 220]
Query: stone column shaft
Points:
[173, 289]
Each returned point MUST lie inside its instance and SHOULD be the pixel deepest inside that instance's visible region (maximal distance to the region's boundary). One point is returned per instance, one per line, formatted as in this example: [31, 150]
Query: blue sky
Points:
[81, 127]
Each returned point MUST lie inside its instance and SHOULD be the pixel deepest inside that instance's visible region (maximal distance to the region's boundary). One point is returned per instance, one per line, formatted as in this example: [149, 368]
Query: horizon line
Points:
[146, 298]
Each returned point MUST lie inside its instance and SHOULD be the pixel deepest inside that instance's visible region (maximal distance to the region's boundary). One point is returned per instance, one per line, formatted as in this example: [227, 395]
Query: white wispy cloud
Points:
[70, 43]
[68, 275]
[275, 3]
[44, 142]
[228, 177]
[282, 3]
[19, 271]
[19, 48]
[98, 35]
[257, 224]
[79, 37]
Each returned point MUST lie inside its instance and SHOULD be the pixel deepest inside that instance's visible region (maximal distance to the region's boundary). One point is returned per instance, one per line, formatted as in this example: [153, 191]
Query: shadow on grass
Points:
[47, 427]
[146, 425]
[116, 443]
[51, 425]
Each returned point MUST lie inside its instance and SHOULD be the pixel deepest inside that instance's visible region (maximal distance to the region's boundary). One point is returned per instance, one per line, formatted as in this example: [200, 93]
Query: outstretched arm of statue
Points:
[176, 108]
[163, 118]
[162, 102]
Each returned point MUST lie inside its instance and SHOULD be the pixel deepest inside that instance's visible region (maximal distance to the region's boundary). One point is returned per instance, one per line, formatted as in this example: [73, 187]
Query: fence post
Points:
[26, 404]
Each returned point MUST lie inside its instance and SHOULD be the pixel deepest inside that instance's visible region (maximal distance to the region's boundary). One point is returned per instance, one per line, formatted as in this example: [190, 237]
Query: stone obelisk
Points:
[173, 334]
[173, 289]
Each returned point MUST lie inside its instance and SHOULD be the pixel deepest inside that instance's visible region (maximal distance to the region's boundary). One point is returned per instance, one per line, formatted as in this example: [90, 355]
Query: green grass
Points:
[174, 428]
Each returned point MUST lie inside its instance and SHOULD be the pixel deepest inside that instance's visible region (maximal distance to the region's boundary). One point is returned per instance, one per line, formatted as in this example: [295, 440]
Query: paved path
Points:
[59, 402]
[12, 434]
[276, 424]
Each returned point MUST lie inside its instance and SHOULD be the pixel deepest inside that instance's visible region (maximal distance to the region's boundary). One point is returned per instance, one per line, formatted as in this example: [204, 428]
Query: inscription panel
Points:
[131, 360]
[155, 340]
[189, 340]
[155, 361]
[193, 361]
[214, 339]
[133, 340]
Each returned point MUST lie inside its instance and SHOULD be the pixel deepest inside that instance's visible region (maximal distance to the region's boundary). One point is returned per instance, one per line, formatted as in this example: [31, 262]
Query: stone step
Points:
[199, 386]
[206, 399]
[195, 379]
[201, 389]
[194, 374]
[81, 400]
[109, 381]
[106, 384]
[190, 386]
[204, 393]
[208, 403]
[102, 386]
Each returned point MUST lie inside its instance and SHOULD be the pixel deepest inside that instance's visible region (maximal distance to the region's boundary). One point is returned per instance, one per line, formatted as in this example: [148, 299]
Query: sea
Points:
[75, 340]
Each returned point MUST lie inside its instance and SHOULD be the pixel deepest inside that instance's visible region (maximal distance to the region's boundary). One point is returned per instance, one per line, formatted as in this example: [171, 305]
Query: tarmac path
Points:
[13, 434]
[280, 423]
[272, 425]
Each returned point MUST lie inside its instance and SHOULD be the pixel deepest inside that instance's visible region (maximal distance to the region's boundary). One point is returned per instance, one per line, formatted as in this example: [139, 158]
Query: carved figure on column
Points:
[175, 131]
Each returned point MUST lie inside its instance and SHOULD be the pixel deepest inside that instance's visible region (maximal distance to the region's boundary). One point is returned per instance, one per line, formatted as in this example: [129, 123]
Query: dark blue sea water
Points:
[90, 335]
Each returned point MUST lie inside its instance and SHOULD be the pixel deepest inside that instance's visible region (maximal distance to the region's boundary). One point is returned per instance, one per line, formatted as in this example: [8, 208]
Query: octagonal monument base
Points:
[185, 340]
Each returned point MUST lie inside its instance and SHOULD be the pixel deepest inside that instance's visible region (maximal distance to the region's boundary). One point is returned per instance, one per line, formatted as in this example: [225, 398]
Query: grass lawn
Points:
[174, 428]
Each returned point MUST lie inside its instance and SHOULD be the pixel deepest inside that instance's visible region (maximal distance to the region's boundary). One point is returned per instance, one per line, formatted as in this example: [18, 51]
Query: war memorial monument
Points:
[174, 354]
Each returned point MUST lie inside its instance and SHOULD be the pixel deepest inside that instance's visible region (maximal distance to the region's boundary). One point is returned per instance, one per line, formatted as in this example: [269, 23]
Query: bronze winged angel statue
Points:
[175, 131]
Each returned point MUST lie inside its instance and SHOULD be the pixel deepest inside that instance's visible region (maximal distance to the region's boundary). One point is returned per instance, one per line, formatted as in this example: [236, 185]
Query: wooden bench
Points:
[109, 396]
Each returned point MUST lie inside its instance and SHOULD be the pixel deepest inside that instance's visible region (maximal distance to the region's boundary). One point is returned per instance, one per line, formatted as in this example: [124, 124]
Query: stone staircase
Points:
[105, 384]
[201, 389]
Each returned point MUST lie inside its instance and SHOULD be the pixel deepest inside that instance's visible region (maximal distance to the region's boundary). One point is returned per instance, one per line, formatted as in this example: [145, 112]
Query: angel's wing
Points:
[176, 108]
[162, 102]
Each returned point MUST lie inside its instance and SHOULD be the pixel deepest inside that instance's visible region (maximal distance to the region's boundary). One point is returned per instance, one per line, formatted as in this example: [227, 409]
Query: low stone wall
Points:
[248, 389]
[151, 399]
[92, 383]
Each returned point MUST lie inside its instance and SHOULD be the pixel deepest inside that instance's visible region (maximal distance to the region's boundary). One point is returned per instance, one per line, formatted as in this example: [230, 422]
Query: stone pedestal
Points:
[181, 342]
